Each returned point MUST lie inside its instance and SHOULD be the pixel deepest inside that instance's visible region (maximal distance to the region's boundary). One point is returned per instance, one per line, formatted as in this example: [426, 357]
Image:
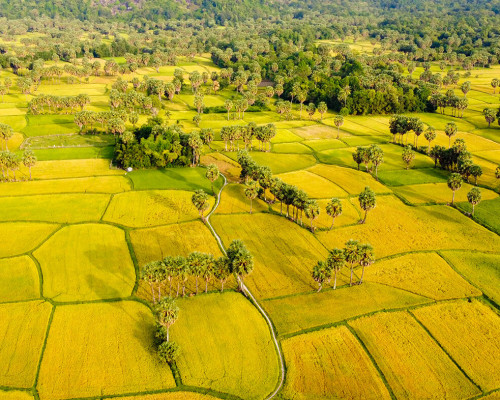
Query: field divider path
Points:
[249, 294]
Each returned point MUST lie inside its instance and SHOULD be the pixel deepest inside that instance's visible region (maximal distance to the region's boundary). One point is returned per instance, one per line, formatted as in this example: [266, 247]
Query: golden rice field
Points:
[314, 185]
[328, 364]
[171, 396]
[228, 349]
[15, 395]
[468, 332]
[20, 237]
[412, 362]
[19, 279]
[101, 349]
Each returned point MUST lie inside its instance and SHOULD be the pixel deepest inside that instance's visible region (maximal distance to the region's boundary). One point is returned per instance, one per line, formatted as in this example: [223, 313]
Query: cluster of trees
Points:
[366, 155]
[11, 162]
[353, 254]
[457, 104]
[234, 133]
[455, 183]
[402, 125]
[50, 104]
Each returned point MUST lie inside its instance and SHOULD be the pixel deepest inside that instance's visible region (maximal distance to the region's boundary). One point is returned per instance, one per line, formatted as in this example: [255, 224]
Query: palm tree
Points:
[367, 201]
[167, 312]
[450, 130]
[408, 156]
[222, 270]
[344, 93]
[474, 197]
[212, 175]
[494, 84]
[208, 269]
[489, 115]
[301, 97]
[376, 155]
[251, 191]
[228, 104]
[334, 209]
[29, 159]
[148, 275]
[322, 108]
[169, 267]
[312, 211]
[454, 183]
[465, 88]
[321, 273]
[430, 135]
[240, 260]
[335, 261]
[366, 258]
[338, 121]
[200, 201]
[196, 144]
[351, 254]
[196, 267]
[6, 133]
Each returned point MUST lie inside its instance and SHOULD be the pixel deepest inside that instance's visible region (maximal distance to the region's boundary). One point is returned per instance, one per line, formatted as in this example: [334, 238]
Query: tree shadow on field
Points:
[101, 289]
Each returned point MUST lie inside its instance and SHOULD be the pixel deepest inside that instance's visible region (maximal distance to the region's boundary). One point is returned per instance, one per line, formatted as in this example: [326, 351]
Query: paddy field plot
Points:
[171, 396]
[285, 136]
[22, 331]
[230, 168]
[60, 208]
[291, 148]
[101, 349]
[413, 176]
[281, 163]
[324, 144]
[173, 178]
[151, 244]
[98, 184]
[481, 269]
[412, 362]
[330, 364]
[425, 274]
[486, 213]
[73, 169]
[393, 228]
[152, 207]
[438, 193]
[86, 262]
[284, 252]
[291, 314]
[19, 279]
[228, 349]
[351, 180]
[314, 185]
[233, 200]
[15, 395]
[20, 237]
[350, 215]
[469, 333]
[75, 153]
[317, 132]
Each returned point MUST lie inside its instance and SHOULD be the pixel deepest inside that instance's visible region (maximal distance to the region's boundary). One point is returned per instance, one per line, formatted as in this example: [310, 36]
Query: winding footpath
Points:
[249, 294]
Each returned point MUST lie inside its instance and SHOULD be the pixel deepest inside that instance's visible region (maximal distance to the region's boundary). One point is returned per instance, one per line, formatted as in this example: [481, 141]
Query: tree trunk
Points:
[362, 274]
[333, 220]
[32, 179]
[376, 172]
[281, 210]
[320, 285]
[168, 333]
[250, 206]
[335, 280]
[472, 209]
[206, 286]
[338, 132]
[364, 219]
[178, 284]
[222, 287]
[183, 289]
[153, 293]
[350, 282]
[196, 285]
[159, 291]
[453, 198]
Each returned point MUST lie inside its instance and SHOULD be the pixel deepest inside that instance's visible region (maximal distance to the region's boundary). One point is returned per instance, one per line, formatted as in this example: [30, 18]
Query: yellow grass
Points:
[152, 207]
[438, 193]
[22, 332]
[469, 332]
[330, 364]
[18, 279]
[393, 228]
[101, 349]
[425, 274]
[73, 169]
[86, 262]
[351, 180]
[414, 365]
[102, 184]
[20, 237]
[62, 208]
[314, 185]
[181, 239]
[284, 252]
[226, 346]
[233, 200]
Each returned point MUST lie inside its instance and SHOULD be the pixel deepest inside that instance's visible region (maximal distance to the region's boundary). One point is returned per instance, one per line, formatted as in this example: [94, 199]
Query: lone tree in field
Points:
[490, 114]
[212, 175]
[335, 262]
[474, 197]
[311, 110]
[351, 254]
[240, 259]
[430, 135]
[338, 122]
[376, 155]
[367, 201]
[465, 88]
[251, 192]
[366, 258]
[200, 201]
[476, 171]
[408, 156]
[454, 183]
[334, 209]
[29, 160]
[312, 211]
[321, 273]
[6, 133]
[494, 84]
[167, 313]
[450, 130]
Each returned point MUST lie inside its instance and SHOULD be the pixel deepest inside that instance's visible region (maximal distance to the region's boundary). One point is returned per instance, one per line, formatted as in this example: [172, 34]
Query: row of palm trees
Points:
[11, 162]
[353, 254]
[174, 271]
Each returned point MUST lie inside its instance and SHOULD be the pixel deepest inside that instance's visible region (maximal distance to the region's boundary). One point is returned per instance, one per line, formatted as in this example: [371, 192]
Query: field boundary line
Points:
[246, 291]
